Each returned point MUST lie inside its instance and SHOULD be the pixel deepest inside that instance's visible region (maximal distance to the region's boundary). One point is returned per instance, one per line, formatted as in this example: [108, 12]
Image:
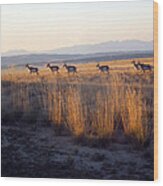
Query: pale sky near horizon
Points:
[41, 27]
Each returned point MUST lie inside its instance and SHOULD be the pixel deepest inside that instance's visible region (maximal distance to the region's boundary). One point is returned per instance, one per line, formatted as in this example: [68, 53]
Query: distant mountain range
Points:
[110, 46]
[112, 50]
[15, 53]
[42, 59]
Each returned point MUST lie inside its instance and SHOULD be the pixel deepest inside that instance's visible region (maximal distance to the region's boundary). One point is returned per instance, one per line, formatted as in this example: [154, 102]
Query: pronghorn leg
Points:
[76, 74]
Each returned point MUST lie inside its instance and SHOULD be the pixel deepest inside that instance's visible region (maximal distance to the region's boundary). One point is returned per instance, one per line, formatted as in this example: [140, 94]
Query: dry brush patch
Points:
[93, 106]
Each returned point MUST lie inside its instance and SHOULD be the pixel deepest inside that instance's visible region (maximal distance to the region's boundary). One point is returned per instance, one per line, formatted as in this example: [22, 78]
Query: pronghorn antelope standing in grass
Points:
[136, 65]
[53, 68]
[145, 67]
[32, 69]
[103, 68]
[70, 69]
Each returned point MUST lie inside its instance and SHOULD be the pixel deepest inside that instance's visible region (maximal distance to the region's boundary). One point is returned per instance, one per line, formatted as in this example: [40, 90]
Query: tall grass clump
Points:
[75, 119]
[55, 104]
[102, 120]
[135, 116]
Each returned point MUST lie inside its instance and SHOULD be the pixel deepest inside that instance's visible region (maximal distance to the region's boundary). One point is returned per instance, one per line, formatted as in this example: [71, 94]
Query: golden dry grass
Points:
[90, 104]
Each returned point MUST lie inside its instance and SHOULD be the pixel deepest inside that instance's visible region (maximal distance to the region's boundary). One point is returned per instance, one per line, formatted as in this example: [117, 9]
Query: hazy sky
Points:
[39, 27]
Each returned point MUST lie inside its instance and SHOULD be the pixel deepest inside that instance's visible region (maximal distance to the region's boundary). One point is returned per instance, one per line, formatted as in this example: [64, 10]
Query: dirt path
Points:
[38, 152]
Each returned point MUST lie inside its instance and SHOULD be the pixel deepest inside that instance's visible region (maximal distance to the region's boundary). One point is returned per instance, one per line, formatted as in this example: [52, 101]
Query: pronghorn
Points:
[53, 68]
[32, 69]
[145, 67]
[103, 68]
[70, 69]
[136, 65]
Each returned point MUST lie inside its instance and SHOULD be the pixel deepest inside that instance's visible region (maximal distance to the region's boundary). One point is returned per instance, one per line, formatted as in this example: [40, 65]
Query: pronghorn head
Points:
[133, 62]
[139, 63]
[48, 65]
[65, 65]
[27, 65]
[97, 65]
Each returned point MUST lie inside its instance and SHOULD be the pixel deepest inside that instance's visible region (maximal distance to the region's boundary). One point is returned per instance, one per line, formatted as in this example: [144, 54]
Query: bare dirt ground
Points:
[30, 151]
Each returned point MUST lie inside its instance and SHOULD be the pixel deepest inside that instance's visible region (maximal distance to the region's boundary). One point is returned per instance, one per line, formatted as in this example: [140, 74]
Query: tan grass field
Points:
[89, 103]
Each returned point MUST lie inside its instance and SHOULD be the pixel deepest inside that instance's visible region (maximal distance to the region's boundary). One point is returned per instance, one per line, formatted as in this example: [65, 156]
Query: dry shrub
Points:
[103, 116]
[135, 116]
[55, 105]
[75, 115]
